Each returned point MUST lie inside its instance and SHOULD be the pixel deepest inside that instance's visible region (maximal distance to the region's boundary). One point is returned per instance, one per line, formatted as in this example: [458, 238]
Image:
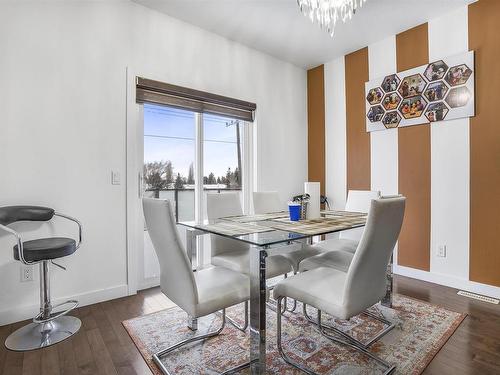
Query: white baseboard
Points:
[149, 283]
[88, 298]
[447, 280]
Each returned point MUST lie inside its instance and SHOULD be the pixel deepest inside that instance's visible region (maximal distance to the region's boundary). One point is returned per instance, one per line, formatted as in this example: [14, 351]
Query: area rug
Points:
[421, 330]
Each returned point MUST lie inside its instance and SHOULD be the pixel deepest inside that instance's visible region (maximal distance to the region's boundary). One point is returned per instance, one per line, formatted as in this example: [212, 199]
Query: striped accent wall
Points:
[447, 170]
[358, 140]
[316, 126]
[414, 162]
[484, 38]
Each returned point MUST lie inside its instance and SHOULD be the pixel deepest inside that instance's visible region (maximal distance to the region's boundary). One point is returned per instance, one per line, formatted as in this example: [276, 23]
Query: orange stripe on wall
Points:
[414, 171]
[316, 125]
[358, 140]
[484, 39]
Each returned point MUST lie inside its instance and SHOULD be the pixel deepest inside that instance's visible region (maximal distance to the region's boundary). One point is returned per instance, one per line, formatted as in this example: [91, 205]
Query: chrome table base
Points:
[36, 336]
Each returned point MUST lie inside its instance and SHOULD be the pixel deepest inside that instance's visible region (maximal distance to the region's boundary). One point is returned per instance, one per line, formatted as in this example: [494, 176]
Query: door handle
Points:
[139, 184]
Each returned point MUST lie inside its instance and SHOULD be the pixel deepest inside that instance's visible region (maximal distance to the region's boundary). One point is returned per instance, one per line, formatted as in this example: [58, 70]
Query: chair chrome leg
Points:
[304, 311]
[271, 303]
[365, 345]
[157, 356]
[233, 322]
[161, 353]
[236, 369]
[389, 368]
[279, 344]
[356, 342]
[294, 300]
[294, 306]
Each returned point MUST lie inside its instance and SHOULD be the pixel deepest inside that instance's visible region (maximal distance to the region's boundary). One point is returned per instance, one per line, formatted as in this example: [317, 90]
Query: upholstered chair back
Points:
[358, 201]
[267, 201]
[176, 276]
[366, 277]
[223, 205]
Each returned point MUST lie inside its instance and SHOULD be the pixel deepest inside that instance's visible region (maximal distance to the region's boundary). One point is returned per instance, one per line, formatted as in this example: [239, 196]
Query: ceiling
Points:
[277, 28]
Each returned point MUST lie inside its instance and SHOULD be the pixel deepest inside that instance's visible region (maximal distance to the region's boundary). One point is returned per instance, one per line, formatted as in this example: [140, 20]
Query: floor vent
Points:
[479, 297]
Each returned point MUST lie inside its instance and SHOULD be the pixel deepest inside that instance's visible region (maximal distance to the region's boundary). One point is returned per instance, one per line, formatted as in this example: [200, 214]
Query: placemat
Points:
[328, 213]
[256, 217]
[317, 226]
[230, 228]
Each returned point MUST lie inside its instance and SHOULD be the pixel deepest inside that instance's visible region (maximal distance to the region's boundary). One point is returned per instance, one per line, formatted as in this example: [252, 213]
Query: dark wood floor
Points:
[103, 346]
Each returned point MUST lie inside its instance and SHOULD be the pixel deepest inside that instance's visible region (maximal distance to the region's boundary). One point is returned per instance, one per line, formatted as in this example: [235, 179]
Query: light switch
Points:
[115, 178]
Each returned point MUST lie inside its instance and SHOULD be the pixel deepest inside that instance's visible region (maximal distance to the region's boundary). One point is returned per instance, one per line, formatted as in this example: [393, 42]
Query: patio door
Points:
[182, 156]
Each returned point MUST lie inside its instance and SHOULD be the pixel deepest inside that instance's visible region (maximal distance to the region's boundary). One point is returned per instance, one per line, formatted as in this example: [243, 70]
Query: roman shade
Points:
[150, 91]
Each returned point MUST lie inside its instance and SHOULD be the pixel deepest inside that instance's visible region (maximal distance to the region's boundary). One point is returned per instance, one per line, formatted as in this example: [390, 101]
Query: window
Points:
[169, 150]
[172, 139]
[222, 155]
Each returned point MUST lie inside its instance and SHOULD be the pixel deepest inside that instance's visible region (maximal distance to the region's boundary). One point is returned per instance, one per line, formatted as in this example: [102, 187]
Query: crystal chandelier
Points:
[327, 12]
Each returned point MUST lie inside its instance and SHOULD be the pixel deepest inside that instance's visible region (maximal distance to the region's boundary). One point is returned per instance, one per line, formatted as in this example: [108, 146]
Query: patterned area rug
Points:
[421, 330]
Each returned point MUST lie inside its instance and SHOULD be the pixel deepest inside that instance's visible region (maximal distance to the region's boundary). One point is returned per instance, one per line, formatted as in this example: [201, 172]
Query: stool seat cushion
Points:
[46, 249]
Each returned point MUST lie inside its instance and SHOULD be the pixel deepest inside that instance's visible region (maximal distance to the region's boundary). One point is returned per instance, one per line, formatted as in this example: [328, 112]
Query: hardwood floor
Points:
[103, 346]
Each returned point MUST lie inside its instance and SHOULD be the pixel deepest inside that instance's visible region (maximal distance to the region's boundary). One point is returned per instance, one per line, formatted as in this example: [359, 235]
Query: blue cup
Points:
[294, 209]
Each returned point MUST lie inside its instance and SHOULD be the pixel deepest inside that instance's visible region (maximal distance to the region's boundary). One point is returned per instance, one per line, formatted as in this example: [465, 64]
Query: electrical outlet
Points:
[26, 273]
[441, 251]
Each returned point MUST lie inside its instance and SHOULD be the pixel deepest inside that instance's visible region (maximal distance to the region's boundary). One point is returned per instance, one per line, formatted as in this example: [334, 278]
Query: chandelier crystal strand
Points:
[327, 12]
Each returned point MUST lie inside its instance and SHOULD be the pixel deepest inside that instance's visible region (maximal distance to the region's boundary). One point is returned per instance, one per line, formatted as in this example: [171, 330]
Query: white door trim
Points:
[134, 160]
[134, 126]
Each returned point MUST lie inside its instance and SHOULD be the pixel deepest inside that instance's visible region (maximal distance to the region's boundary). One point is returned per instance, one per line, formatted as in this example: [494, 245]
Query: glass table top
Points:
[276, 228]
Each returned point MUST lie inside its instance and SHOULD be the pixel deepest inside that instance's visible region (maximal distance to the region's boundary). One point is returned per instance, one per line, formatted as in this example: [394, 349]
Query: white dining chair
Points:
[347, 294]
[233, 254]
[357, 201]
[338, 252]
[268, 202]
[199, 293]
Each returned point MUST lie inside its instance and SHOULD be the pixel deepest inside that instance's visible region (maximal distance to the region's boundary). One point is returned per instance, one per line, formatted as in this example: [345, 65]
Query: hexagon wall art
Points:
[436, 91]
[391, 101]
[412, 86]
[374, 96]
[458, 97]
[435, 70]
[375, 113]
[436, 112]
[439, 91]
[391, 120]
[412, 107]
[458, 75]
[390, 83]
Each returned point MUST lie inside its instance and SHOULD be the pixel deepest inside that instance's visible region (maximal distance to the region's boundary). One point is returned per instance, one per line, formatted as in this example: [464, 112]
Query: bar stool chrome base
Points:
[35, 336]
[47, 328]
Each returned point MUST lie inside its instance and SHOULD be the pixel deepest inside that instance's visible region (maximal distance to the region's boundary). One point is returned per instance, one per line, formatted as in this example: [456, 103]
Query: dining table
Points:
[270, 234]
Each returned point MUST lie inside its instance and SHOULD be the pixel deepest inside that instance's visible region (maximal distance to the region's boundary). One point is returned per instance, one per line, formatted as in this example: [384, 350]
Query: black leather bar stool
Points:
[48, 327]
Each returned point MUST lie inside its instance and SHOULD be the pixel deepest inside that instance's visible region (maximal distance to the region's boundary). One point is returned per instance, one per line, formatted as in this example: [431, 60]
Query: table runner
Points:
[317, 226]
[247, 224]
[256, 217]
[230, 228]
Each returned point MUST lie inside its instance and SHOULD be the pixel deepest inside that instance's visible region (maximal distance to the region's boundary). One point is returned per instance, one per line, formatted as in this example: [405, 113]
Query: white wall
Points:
[335, 134]
[62, 116]
[383, 144]
[450, 161]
